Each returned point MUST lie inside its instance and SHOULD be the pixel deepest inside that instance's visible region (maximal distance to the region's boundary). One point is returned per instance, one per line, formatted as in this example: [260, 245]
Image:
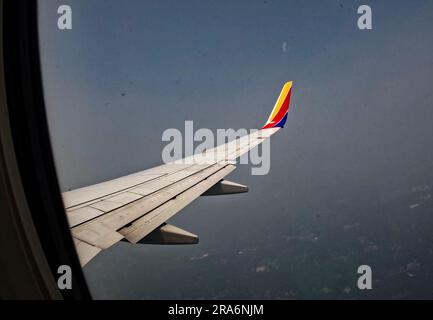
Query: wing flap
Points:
[145, 225]
[85, 251]
[99, 231]
[98, 235]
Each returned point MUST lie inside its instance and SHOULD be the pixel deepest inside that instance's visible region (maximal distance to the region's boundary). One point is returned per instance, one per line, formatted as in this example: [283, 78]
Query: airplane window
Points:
[244, 149]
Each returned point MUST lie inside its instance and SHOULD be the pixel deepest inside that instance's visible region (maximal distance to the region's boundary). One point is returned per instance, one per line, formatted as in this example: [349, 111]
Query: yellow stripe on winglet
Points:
[280, 100]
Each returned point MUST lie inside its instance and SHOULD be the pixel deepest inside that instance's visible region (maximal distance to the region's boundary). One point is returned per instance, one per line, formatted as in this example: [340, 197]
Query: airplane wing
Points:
[135, 207]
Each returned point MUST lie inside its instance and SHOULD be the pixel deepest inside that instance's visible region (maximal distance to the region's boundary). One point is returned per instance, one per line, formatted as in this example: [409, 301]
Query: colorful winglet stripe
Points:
[278, 115]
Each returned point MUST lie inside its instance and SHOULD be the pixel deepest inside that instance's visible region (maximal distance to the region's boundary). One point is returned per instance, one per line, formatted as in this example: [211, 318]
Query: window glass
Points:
[350, 180]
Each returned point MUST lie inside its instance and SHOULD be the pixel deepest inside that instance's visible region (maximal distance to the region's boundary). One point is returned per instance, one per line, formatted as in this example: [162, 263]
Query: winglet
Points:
[278, 116]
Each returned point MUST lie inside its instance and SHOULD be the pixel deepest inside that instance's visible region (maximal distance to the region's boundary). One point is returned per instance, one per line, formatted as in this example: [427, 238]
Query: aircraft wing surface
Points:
[135, 207]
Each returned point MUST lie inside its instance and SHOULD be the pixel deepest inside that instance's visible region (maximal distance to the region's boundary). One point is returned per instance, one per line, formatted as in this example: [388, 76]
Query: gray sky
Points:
[359, 130]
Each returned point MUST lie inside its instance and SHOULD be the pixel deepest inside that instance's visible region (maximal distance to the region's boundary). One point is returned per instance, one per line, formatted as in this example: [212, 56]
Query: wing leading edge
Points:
[135, 207]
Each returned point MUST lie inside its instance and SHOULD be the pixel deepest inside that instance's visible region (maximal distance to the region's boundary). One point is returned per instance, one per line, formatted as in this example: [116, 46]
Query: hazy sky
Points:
[359, 131]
